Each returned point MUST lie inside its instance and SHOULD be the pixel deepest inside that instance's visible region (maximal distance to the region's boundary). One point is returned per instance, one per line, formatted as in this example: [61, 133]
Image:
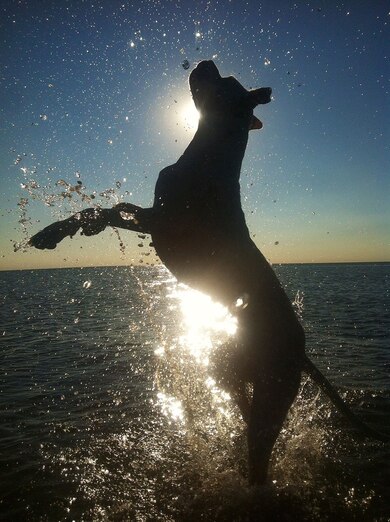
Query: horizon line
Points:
[141, 265]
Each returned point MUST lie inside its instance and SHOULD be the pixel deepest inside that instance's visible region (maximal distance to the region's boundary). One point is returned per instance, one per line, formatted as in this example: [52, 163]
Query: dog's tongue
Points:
[255, 124]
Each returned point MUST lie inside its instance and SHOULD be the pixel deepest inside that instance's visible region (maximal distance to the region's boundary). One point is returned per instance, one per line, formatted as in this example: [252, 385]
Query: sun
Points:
[190, 116]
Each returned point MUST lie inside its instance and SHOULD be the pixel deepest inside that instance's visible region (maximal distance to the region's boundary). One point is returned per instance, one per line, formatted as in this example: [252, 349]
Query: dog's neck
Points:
[218, 143]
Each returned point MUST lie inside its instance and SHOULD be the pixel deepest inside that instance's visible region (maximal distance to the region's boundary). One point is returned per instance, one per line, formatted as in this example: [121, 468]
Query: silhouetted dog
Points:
[199, 231]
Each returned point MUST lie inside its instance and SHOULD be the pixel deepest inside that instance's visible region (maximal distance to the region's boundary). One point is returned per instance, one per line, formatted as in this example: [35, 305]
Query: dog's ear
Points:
[255, 124]
[259, 96]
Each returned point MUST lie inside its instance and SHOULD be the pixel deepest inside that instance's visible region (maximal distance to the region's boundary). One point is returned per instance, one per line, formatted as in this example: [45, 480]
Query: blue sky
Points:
[95, 92]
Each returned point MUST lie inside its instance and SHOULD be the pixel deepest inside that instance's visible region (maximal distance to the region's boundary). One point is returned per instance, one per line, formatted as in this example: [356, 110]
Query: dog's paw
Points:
[44, 240]
[49, 237]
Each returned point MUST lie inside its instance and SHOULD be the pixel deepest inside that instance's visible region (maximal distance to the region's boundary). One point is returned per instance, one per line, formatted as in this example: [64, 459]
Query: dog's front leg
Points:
[132, 217]
[92, 221]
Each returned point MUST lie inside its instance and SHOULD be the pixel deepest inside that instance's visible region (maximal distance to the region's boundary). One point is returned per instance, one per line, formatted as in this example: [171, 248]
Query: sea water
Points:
[109, 409]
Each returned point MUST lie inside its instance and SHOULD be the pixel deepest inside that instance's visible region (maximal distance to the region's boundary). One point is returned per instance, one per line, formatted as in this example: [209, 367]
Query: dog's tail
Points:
[325, 386]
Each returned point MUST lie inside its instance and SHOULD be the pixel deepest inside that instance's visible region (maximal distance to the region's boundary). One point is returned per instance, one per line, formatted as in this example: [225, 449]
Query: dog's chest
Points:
[195, 218]
[198, 195]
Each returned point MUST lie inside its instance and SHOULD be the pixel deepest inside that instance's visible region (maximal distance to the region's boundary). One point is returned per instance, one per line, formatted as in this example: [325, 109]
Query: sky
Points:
[95, 102]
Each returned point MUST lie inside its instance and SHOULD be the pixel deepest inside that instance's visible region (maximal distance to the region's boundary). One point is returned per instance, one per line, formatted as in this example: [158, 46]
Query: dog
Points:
[199, 231]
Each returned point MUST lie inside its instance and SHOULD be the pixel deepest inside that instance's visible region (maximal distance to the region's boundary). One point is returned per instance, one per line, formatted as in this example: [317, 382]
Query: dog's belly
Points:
[189, 252]
[200, 224]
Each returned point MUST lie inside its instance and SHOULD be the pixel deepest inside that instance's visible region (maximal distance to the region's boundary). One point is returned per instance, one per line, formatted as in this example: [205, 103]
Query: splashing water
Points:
[194, 403]
[188, 393]
[298, 303]
[121, 243]
[62, 196]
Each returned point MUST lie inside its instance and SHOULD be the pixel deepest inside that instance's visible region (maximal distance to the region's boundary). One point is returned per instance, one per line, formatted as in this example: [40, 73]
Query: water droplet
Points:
[62, 183]
[242, 301]
[127, 216]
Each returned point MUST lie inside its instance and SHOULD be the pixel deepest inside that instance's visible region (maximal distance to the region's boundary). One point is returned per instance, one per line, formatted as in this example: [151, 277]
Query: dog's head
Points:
[225, 97]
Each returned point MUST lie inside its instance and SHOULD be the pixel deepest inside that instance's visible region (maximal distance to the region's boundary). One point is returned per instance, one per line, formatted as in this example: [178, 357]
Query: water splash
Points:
[128, 216]
[61, 195]
[121, 243]
[171, 407]
[210, 417]
[298, 303]
[25, 221]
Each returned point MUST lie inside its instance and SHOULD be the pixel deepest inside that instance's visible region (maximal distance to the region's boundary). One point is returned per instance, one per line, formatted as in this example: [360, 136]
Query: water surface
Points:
[109, 410]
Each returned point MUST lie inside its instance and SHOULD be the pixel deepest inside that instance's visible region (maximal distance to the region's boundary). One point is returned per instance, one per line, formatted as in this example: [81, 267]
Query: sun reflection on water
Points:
[205, 323]
[171, 407]
[186, 382]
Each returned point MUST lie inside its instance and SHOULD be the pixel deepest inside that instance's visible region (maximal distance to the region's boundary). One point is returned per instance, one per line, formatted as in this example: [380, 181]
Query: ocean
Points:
[109, 410]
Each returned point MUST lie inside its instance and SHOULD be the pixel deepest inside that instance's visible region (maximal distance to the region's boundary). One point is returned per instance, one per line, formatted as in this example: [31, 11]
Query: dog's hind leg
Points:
[239, 393]
[228, 370]
[273, 394]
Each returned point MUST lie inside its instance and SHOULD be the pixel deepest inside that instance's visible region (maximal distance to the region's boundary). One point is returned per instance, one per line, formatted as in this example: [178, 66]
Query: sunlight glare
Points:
[203, 320]
[171, 407]
[201, 327]
[190, 116]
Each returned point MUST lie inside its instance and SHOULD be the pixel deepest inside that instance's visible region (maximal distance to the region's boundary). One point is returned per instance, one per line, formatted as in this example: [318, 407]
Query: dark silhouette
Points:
[199, 231]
